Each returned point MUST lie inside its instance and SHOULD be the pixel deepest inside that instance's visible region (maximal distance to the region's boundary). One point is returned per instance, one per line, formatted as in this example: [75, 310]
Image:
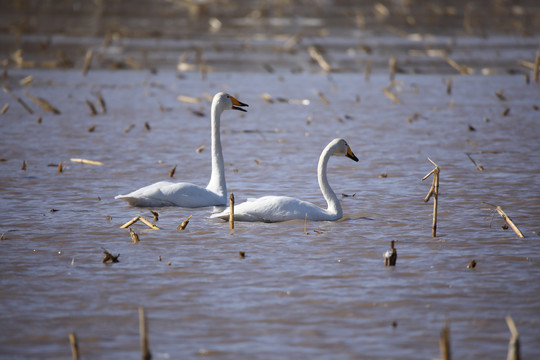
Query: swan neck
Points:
[217, 182]
[334, 206]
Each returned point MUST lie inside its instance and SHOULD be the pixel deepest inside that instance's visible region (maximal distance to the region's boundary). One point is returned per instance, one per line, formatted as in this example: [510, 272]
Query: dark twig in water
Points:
[109, 257]
[478, 167]
[91, 107]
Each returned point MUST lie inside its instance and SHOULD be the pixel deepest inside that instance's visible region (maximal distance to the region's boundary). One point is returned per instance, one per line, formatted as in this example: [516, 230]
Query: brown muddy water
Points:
[322, 293]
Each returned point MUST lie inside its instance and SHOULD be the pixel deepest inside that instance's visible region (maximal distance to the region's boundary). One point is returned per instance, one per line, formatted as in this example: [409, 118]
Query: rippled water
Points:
[325, 294]
[322, 292]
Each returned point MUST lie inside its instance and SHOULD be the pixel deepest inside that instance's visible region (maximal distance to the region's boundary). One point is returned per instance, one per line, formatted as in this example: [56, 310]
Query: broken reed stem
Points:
[444, 342]
[305, 225]
[43, 103]
[184, 223]
[390, 256]
[74, 346]
[478, 167]
[143, 331]
[367, 70]
[231, 212]
[18, 99]
[434, 190]
[130, 222]
[509, 222]
[143, 220]
[149, 223]
[392, 64]
[319, 58]
[536, 69]
[87, 61]
[513, 345]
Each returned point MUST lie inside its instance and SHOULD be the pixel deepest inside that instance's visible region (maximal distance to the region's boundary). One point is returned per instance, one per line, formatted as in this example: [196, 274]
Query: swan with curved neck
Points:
[284, 208]
[165, 193]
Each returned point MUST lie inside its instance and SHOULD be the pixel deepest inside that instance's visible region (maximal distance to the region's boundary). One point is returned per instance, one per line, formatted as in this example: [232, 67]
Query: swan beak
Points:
[350, 154]
[237, 103]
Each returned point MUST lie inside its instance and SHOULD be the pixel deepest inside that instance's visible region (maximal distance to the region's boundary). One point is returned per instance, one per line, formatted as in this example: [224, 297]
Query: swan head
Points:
[341, 147]
[223, 101]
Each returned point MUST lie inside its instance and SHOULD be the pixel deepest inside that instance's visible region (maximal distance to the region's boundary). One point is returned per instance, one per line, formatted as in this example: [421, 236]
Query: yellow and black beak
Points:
[350, 154]
[237, 103]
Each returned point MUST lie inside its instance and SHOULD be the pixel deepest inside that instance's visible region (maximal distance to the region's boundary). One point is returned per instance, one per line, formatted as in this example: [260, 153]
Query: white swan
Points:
[283, 208]
[165, 193]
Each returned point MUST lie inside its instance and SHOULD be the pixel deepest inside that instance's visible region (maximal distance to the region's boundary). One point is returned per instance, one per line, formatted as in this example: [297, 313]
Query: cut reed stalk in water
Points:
[444, 342]
[319, 58]
[434, 190]
[184, 223]
[131, 222]
[91, 107]
[478, 167]
[509, 222]
[109, 257]
[536, 69]
[391, 96]
[60, 167]
[23, 165]
[87, 62]
[392, 65]
[390, 256]
[367, 70]
[4, 109]
[102, 104]
[128, 129]
[86, 161]
[43, 103]
[513, 345]
[171, 173]
[74, 346]
[499, 94]
[449, 86]
[465, 70]
[155, 214]
[323, 98]
[188, 99]
[27, 80]
[231, 212]
[18, 99]
[148, 223]
[143, 331]
[134, 236]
